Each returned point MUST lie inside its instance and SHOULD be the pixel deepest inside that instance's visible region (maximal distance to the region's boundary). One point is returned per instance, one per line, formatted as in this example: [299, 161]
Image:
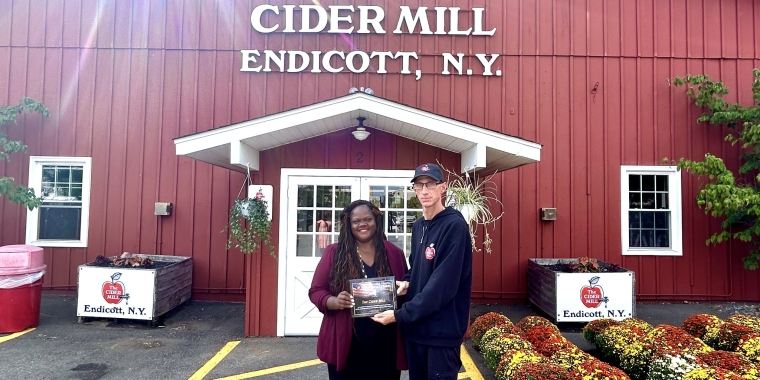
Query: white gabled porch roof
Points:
[238, 145]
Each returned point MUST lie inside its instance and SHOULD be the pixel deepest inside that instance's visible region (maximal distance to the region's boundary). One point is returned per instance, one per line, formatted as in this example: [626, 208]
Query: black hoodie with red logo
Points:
[437, 307]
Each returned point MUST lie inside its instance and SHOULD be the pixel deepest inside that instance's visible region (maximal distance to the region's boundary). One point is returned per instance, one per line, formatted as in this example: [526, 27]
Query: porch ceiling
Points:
[238, 145]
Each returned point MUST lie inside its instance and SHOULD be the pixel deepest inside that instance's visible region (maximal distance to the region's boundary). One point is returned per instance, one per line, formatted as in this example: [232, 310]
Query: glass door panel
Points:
[399, 204]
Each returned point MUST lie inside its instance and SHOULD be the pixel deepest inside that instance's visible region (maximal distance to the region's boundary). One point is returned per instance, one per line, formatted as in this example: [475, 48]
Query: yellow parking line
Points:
[469, 366]
[15, 335]
[268, 371]
[203, 371]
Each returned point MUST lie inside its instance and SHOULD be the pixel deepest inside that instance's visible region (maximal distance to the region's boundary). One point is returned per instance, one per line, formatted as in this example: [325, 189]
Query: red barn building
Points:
[174, 101]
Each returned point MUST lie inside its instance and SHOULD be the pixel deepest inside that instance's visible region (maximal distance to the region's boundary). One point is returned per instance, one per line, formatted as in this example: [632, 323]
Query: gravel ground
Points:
[738, 308]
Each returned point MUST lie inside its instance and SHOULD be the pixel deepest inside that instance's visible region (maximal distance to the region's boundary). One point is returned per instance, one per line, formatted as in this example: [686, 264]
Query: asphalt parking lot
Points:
[205, 340]
[197, 340]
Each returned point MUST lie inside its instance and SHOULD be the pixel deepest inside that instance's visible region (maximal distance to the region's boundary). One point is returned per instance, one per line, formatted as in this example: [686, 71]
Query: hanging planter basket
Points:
[473, 196]
[250, 223]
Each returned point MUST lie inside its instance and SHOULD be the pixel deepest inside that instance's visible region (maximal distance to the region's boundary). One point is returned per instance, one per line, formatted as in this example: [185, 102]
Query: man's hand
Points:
[403, 286]
[385, 318]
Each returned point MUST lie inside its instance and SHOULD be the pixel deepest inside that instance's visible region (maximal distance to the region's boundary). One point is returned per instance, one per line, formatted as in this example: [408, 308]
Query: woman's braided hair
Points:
[346, 264]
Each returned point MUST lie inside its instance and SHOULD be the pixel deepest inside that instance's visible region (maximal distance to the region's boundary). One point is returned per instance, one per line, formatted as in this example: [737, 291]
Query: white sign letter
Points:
[411, 22]
[336, 18]
[448, 58]
[256, 18]
[479, 24]
[405, 61]
[270, 56]
[288, 19]
[248, 57]
[350, 61]
[326, 61]
[440, 23]
[292, 61]
[487, 63]
[306, 16]
[382, 55]
[454, 30]
[315, 58]
[364, 19]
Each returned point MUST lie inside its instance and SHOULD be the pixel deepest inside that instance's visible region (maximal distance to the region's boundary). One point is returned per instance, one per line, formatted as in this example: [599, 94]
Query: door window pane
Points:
[304, 245]
[324, 196]
[305, 221]
[342, 196]
[377, 196]
[305, 196]
[395, 197]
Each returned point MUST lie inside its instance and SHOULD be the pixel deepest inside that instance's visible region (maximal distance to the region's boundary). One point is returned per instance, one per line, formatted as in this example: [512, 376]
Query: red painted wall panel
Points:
[586, 79]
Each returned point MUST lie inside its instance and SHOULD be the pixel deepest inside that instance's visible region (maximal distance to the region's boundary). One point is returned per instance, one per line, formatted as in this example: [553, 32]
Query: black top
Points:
[365, 328]
[437, 305]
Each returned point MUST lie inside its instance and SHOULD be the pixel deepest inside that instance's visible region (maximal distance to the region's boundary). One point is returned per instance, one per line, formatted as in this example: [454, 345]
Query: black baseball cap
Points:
[431, 170]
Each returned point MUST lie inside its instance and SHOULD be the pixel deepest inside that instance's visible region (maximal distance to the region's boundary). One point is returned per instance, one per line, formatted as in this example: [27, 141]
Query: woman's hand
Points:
[342, 301]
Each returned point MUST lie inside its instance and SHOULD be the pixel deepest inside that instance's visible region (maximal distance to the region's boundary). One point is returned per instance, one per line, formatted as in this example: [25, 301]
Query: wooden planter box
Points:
[580, 297]
[133, 293]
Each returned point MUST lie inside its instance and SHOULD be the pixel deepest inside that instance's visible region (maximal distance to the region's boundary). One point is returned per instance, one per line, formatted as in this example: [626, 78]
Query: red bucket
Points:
[20, 307]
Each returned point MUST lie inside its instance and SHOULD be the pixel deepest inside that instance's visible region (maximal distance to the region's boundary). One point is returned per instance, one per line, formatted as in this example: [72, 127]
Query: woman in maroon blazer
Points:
[357, 348]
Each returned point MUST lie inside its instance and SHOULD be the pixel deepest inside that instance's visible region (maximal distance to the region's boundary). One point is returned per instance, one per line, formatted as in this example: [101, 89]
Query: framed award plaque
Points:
[372, 295]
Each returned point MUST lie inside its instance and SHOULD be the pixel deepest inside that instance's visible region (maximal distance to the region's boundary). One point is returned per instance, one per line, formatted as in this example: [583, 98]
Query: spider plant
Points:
[473, 195]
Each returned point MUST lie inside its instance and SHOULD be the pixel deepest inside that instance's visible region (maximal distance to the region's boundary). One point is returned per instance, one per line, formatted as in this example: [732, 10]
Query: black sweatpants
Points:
[432, 362]
[370, 360]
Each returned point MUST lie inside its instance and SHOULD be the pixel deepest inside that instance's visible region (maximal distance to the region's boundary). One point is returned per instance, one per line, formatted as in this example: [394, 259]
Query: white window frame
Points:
[35, 182]
[676, 210]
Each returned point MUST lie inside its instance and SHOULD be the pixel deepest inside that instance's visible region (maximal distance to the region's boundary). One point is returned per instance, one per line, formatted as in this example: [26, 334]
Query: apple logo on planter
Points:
[113, 292]
[592, 295]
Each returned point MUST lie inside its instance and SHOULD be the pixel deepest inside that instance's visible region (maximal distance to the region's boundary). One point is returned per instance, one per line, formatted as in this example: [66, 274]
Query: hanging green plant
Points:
[249, 225]
[473, 196]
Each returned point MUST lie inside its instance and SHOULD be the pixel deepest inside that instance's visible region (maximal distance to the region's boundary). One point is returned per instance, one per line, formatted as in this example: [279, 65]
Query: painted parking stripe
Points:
[15, 335]
[471, 371]
[203, 371]
[469, 366]
[272, 370]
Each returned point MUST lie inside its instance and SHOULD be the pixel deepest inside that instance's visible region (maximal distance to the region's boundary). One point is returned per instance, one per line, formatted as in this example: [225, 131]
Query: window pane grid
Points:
[401, 208]
[60, 215]
[648, 211]
[61, 183]
[318, 217]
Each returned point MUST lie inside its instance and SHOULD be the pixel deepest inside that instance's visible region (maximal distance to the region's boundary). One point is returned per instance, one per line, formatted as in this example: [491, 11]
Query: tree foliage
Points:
[8, 115]
[735, 198]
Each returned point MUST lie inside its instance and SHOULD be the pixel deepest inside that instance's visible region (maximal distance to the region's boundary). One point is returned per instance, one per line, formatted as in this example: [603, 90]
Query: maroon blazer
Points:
[337, 325]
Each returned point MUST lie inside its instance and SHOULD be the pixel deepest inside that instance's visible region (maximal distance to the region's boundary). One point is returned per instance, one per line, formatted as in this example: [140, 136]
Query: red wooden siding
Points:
[123, 78]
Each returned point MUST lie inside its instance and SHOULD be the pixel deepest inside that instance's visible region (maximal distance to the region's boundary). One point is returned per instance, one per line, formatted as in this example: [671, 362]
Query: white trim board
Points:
[239, 144]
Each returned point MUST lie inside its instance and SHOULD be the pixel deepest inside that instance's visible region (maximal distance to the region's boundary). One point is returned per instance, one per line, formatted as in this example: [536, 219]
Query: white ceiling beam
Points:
[474, 158]
[244, 155]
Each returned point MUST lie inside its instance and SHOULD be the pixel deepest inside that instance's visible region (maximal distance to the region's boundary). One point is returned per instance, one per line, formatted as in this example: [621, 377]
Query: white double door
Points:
[312, 222]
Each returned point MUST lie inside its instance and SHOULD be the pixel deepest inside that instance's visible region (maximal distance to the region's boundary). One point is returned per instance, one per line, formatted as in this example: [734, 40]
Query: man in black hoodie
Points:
[434, 317]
